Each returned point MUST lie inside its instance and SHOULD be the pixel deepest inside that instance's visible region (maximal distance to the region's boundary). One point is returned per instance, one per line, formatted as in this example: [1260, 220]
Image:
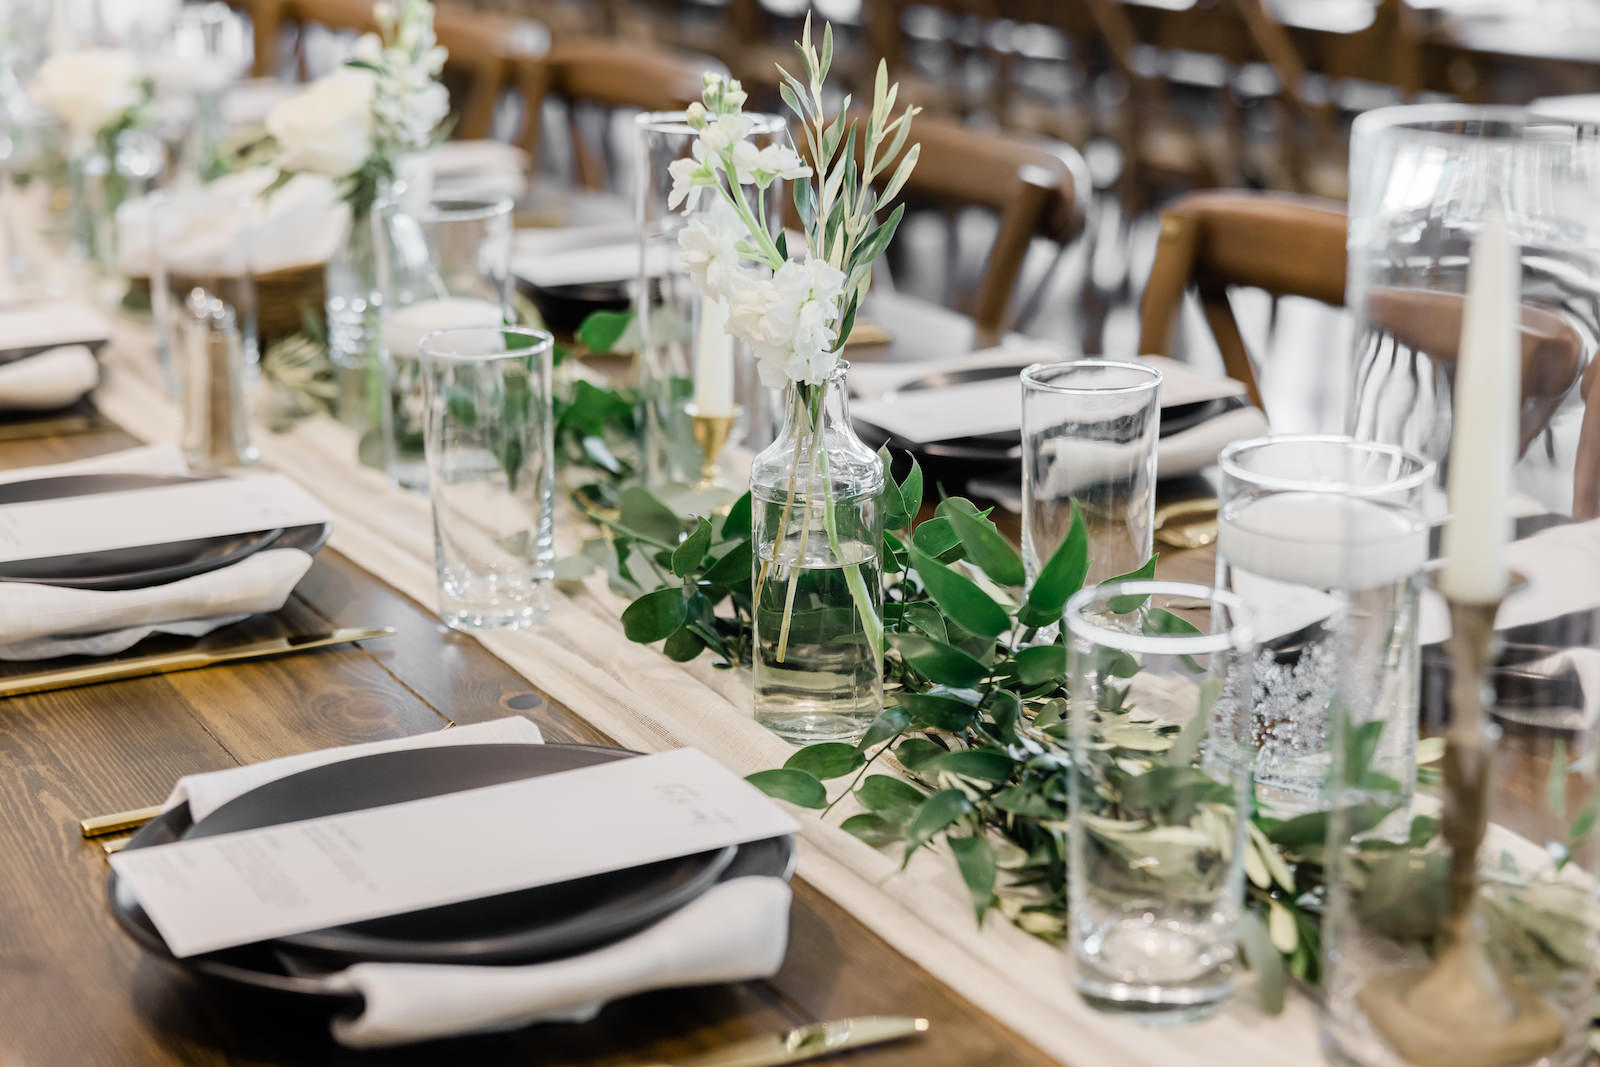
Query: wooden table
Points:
[76, 992]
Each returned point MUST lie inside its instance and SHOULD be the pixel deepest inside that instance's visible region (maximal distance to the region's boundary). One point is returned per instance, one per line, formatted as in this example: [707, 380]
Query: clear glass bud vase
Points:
[818, 580]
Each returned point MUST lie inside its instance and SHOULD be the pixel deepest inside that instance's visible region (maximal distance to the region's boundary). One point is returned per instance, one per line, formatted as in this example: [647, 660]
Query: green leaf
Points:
[894, 508]
[1041, 664]
[976, 860]
[937, 812]
[459, 405]
[1264, 960]
[935, 536]
[647, 518]
[573, 568]
[876, 241]
[830, 759]
[1060, 577]
[797, 787]
[1124, 604]
[873, 829]
[737, 522]
[889, 723]
[915, 752]
[911, 489]
[1361, 744]
[603, 329]
[939, 662]
[1027, 801]
[986, 764]
[1163, 623]
[985, 545]
[688, 555]
[682, 645]
[654, 615]
[890, 797]
[960, 596]
[733, 568]
[937, 712]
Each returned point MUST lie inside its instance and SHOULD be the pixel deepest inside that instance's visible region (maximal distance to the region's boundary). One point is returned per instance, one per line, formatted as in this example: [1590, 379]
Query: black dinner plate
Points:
[141, 565]
[564, 307]
[528, 925]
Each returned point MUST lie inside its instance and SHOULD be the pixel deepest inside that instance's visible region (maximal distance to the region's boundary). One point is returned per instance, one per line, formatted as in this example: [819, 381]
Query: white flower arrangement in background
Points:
[94, 93]
[794, 307]
[356, 124]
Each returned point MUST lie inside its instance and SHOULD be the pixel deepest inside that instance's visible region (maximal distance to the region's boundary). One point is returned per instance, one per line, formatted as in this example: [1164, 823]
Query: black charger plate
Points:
[524, 926]
[140, 565]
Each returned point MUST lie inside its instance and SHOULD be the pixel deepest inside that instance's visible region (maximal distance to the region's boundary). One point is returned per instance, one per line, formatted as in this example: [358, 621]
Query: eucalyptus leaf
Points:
[874, 829]
[1271, 979]
[601, 330]
[936, 712]
[732, 567]
[797, 787]
[937, 661]
[889, 724]
[830, 759]
[937, 813]
[983, 543]
[688, 555]
[1041, 664]
[890, 797]
[1124, 604]
[935, 537]
[914, 753]
[960, 597]
[1060, 577]
[647, 518]
[983, 763]
[682, 645]
[975, 859]
[654, 615]
[911, 490]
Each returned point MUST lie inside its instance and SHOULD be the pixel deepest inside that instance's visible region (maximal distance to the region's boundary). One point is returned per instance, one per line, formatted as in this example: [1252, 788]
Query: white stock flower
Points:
[789, 320]
[723, 132]
[689, 176]
[89, 90]
[710, 244]
[327, 127]
[781, 161]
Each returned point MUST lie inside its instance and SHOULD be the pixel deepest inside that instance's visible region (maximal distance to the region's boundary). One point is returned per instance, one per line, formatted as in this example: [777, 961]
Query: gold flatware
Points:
[810, 1042]
[113, 846]
[121, 822]
[1187, 523]
[171, 662]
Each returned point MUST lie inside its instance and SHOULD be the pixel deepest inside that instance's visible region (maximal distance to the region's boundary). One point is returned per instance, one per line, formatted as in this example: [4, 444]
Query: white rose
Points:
[89, 90]
[327, 127]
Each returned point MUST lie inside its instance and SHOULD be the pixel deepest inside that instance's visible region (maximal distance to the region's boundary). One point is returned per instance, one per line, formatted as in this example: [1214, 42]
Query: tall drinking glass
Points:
[1089, 431]
[1423, 180]
[687, 361]
[491, 473]
[1325, 538]
[462, 277]
[1158, 818]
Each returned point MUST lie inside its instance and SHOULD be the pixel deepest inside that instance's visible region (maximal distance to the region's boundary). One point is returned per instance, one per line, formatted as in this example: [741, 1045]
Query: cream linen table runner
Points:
[580, 657]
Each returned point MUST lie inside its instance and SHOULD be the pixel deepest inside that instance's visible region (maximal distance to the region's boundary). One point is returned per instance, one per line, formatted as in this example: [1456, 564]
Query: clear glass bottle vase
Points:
[354, 282]
[818, 533]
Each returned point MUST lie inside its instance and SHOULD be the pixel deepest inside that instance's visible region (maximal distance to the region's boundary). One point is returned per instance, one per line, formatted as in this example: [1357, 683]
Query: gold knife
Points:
[170, 662]
[810, 1042]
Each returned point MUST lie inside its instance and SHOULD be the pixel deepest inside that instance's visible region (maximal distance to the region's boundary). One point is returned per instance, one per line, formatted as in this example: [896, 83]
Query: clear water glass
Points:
[460, 277]
[1089, 430]
[1326, 538]
[491, 473]
[1158, 818]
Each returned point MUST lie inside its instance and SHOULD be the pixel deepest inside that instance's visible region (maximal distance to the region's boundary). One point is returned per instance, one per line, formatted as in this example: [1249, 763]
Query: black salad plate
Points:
[140, 565]
[524, 926]
[564, 307]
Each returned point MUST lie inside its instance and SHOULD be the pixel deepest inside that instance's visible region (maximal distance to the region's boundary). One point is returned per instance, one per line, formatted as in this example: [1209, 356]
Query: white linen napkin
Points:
[582, 255]
[479, 168]
[210, 790]
[45, 621]
[48, 380]
[737, 931]
[1560, 567]
[50, 324]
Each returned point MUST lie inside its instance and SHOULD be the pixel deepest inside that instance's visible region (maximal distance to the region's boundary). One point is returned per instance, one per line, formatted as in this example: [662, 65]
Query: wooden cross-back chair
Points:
[607, 74]
[483, 48]
[1289, 245]
[1036, 189]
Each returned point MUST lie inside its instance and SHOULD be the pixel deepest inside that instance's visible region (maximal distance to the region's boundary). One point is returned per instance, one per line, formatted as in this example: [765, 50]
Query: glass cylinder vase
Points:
[818, 592]
[1424, 181]
[686, 359]
[100, 178]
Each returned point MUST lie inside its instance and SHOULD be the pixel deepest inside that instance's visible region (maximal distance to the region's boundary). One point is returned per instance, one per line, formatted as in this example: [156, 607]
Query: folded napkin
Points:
[582, 255]
[52, 379]
[45, 621]
[207, 792]
[479, 168]
[1560, 568]
[737, 931]
[29, 328]
[228, 228]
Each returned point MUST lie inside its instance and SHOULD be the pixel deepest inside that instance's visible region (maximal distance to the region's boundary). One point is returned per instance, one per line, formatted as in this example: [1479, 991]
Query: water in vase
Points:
[817, 676]
[1332, 584]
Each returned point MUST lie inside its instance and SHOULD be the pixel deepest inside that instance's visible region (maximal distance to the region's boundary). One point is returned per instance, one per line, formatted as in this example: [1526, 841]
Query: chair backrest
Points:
[1289, 245]
[608, 74]
[482, 47]
[1036, 188]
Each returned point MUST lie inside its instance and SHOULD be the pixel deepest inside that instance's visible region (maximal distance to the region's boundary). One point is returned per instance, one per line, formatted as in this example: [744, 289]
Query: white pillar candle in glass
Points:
[1483, 449]
[713, 361]
[404, 327]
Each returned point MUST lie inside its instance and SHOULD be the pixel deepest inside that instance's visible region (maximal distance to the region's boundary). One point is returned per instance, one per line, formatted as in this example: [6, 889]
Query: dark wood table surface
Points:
[76, 992]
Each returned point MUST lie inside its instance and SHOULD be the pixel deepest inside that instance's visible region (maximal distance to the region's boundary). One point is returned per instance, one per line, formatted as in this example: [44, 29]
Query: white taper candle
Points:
[713, 360]
[1488, 394]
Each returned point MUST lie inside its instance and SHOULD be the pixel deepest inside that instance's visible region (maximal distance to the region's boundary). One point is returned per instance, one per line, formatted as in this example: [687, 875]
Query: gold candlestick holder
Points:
[711, 434]
[1464, 1010]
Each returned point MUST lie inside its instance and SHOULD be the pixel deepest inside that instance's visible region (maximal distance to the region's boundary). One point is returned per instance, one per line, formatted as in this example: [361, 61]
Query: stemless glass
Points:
[1158, 819]
[1423, 180]
[491, 473]
[685, 357]
[1089, 431]
[1325, 538]
[462, 277]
